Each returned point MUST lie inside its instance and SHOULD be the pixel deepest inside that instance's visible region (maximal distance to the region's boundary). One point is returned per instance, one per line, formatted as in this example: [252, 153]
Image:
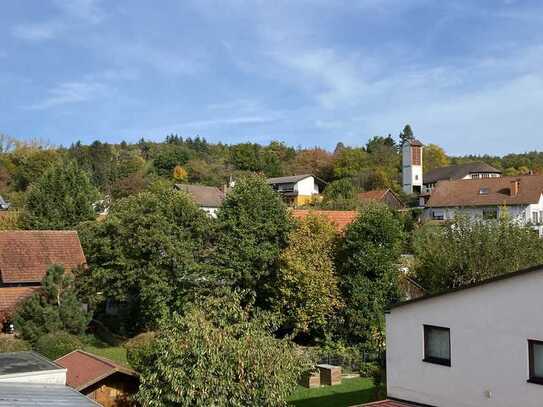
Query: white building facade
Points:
[412, 166]
[480, 346]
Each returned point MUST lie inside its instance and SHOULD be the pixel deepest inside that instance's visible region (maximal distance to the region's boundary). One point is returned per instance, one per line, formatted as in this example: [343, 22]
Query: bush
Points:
[8, 344]
[57, 344]
[138, 349]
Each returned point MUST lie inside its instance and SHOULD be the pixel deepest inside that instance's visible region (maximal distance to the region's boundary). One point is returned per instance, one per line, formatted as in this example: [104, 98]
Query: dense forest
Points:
[120, 170]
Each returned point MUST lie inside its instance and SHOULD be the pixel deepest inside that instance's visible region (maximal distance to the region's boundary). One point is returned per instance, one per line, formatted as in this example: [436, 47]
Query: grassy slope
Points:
[101, 348]
[348, 393]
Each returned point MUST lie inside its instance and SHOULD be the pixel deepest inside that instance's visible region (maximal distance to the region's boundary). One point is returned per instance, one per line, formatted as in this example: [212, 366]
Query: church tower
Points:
[412, 166]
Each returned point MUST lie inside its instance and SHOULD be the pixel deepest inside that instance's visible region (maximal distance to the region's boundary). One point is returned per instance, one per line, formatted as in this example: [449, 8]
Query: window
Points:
[535, 357]
[490, 213]
[483, 191]
[437, 345]
[535, 218]
[438, 215]
[474, 176]
[416, 177]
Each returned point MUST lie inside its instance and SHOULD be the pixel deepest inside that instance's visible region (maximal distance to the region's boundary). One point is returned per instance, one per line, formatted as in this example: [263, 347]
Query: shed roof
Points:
[86, 369]
[25, 362]
[25, 255]
[210, 197]
[390, 403]
[487, 191]
[340, 219]
[454, 172]
[43, 395]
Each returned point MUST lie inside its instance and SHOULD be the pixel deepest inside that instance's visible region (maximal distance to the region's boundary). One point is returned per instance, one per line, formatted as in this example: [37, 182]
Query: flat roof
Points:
[46, 395]
[491, 280]
[25, 362]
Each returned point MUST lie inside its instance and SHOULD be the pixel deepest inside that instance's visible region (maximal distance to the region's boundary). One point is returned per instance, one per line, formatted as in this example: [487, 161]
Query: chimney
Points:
[515, 187]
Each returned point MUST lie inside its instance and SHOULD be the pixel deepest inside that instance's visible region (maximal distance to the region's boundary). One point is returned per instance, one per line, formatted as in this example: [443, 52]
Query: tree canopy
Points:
[60, 199]
[217, 354]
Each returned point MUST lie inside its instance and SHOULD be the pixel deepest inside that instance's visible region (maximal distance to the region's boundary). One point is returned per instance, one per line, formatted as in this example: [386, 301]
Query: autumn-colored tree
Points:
[180, 174]
[307, 287]
[434, 157]
[316, 161]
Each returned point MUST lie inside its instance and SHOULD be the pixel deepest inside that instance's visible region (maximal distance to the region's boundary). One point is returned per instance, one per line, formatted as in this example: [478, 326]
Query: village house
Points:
[416, 181]
[209, 199]
[384, 196]
[298, 190]
[470, 347]
[29, 379]
[25, 257]
[108, 383]
[487, 198]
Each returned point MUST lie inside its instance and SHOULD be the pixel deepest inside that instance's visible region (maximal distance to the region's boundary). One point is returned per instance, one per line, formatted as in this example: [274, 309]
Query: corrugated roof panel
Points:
[46, 395]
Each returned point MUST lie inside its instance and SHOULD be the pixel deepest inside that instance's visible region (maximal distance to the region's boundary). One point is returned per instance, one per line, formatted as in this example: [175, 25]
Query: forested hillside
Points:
[119, 170]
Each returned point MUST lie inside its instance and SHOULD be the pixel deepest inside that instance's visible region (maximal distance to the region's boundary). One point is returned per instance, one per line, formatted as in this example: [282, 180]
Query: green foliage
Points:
[253, 227]
[308, 295]
[60, 199]
[145, 255]
[9, 344]
[406, 134]
[217, 355]
[169, 157]
[56, 344]
[55, 307]
[434, 157]
[367, 264]
[139, 349]
[470, 250]
[340, 195]
[350, 161]
[28, 164]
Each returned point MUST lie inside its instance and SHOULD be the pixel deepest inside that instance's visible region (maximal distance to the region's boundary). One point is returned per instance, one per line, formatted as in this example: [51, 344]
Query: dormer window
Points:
[483, 191]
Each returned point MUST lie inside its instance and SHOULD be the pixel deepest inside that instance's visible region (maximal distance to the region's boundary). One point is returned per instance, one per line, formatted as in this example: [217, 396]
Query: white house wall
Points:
[307, 186]
[489, 326]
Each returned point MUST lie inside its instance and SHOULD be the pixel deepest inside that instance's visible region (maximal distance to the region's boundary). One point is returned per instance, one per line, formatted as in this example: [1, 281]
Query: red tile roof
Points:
[26, 255]
[340, 219]
[86, 369]
[376, 195]
[11, 296]
[487, 191]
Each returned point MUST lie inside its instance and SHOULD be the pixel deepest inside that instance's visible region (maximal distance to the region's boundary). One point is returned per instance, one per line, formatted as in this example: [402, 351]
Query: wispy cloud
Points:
[36, 31]
[87, 10]
[69, 93]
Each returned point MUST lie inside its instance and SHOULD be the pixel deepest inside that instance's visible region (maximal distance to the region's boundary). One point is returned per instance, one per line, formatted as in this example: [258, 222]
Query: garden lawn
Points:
[101, 348]
[350, 392]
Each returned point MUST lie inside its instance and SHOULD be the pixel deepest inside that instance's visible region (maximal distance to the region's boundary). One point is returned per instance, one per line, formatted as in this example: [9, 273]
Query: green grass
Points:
[349, 392]
[116, 353]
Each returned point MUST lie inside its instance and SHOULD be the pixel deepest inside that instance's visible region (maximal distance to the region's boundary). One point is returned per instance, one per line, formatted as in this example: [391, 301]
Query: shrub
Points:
[57, 344]
[138, 349]
[8, 344]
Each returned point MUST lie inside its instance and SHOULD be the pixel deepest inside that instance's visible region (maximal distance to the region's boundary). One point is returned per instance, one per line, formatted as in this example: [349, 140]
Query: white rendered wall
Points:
[411, 174]
[57, 376]
[307, 186]
[490, 327]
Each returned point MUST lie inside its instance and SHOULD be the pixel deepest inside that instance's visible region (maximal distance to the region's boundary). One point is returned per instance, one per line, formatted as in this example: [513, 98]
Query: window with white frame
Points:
[535, 218]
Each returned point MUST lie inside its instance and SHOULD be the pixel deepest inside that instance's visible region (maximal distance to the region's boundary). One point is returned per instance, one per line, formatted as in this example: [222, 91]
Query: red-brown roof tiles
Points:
[340, 219]
[86, 369]
[11, 296]
[25, 256]
[487, 191]
[369, 196]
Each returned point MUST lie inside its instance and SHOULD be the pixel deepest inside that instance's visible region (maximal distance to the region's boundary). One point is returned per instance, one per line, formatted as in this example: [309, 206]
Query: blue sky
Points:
[467, 75]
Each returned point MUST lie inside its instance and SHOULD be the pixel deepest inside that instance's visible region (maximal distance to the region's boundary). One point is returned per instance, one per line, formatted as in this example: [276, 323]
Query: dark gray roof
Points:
[46, 395]
[293, 179]
[415, 142]
[23, 362]
[453, 172]
[210, 197]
